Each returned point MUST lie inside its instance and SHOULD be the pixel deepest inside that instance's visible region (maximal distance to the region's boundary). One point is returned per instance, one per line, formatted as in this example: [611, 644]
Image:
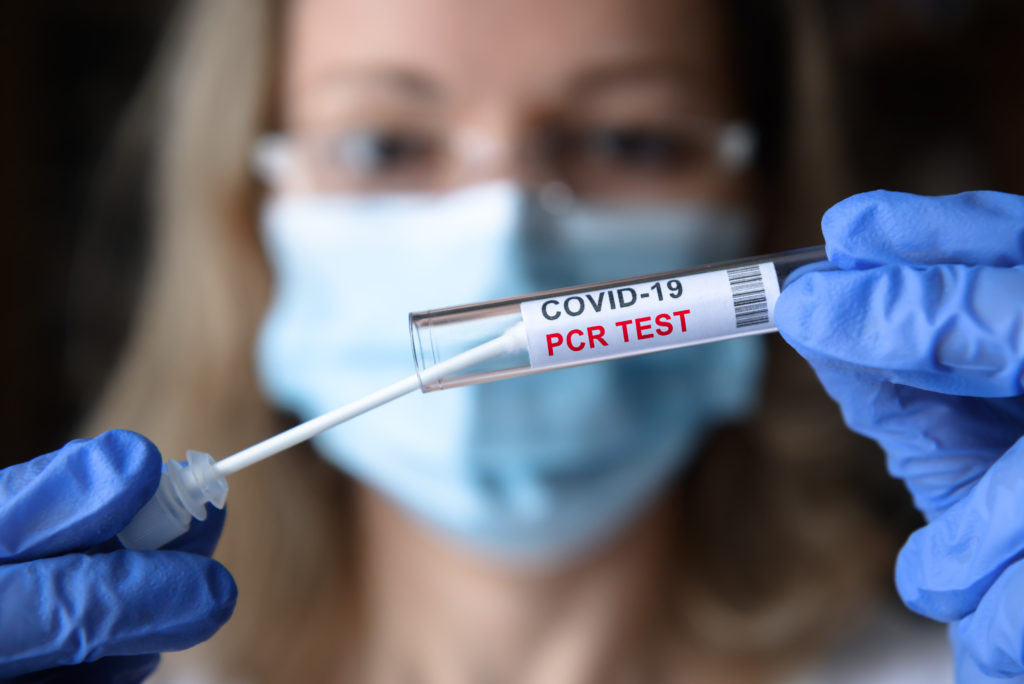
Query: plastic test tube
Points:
[589, 323]
[504, 338]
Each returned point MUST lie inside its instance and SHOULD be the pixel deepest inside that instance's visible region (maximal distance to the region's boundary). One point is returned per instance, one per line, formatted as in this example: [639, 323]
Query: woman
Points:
[441, 152]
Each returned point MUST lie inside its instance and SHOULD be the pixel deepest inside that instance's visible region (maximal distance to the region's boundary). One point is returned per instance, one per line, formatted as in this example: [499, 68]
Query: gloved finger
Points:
[974, 228]
[967, 669]
[77, 496]
[947, 566]
[78, 608]
[951, 329]
[109, 670]
[940, 445]
[202, 536]
[994, 633]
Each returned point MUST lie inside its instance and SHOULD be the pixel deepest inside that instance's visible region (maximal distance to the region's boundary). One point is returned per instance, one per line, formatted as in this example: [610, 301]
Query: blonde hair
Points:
[186, 377]
[186, 380]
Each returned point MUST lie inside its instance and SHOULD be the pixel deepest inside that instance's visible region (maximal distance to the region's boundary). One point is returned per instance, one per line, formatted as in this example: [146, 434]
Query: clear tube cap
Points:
[184, 491]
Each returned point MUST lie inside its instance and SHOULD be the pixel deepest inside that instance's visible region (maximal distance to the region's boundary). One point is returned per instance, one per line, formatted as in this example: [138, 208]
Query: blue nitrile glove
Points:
[74, 605]
[919, 335]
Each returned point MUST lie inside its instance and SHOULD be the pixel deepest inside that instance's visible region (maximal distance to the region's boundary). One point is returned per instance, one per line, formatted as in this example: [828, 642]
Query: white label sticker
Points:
[650, 316]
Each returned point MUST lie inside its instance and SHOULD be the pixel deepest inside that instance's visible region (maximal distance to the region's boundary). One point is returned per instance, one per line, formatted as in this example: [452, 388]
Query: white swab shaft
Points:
[510, 341]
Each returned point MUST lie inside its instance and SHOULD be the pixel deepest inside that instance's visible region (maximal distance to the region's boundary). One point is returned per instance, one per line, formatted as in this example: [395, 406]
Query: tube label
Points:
[652, 316]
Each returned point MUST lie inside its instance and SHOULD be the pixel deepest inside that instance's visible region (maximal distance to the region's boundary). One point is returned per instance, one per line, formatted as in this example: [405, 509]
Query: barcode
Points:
[748, 298]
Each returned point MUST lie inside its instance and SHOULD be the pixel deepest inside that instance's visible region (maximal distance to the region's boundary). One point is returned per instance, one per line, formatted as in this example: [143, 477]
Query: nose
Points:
[481, 153]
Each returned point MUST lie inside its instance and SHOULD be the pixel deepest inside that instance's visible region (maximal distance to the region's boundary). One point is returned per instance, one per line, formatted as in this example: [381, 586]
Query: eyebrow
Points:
[629, 73]
[399, 79]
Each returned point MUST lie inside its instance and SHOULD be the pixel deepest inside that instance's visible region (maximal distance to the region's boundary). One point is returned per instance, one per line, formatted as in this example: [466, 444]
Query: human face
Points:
[614, 98]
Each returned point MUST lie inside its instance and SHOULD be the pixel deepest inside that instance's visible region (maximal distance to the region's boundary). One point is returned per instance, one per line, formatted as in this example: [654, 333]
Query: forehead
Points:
[500, 48]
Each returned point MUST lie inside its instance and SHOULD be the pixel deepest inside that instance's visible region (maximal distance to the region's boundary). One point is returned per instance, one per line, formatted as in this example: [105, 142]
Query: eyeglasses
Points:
[591, 161]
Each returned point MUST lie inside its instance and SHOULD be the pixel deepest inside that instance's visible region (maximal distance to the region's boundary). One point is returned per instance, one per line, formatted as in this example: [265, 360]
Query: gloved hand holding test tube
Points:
[505, 338]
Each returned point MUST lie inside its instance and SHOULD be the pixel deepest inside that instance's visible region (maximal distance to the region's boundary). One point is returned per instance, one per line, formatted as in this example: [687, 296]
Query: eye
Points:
[376, 152]
[644, 148]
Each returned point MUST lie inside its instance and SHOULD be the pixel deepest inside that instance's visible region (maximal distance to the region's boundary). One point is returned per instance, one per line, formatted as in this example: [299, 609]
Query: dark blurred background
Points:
[931, 101]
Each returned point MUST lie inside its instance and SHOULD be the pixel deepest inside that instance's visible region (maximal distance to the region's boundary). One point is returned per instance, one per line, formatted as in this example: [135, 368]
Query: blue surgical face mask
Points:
[539, 468]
